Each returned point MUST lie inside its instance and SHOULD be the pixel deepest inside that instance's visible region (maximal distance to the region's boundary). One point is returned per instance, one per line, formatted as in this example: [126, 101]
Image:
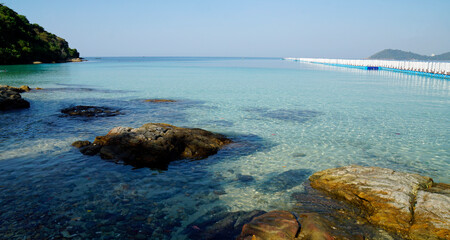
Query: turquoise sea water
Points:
[287, 120]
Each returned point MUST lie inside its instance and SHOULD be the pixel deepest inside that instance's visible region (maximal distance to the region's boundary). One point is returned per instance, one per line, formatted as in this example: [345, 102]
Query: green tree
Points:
[22, 42]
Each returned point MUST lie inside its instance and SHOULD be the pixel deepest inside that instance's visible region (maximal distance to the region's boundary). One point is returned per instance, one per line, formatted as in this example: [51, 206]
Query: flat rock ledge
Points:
[154, 144]
[409, 204]
[10, 97]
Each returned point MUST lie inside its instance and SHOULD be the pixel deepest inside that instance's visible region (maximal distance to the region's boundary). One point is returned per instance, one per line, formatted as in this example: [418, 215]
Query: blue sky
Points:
[249, 28]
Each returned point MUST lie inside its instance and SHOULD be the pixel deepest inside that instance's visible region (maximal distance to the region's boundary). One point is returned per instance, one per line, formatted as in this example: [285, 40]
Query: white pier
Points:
[438, 68]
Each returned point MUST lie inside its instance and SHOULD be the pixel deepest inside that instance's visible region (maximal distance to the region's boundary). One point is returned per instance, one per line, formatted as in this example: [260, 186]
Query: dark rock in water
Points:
[296, 115]
[220, 225]
[80, 144]
[280, 225]
[221, 123]
[90, 111]
[21, 89]
[299, 155]
[285, 180]
[159, 100]
[220, 192]
[292, 115]
[10, 97]
[155, 144]
[244, 178]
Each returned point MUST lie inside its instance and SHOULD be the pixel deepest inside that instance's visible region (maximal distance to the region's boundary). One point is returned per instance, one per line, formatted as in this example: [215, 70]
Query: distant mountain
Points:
[22, 42]
[442, 57]
[391, 54]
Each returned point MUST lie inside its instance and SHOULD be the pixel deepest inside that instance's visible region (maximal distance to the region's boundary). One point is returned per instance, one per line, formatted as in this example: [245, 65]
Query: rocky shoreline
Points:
[405, 205]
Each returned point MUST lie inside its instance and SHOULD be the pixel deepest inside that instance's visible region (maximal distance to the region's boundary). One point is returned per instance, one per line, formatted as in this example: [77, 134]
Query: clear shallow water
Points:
[287, 119]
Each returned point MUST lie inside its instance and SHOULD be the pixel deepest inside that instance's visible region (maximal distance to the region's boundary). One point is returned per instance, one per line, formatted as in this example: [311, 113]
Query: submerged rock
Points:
[314, 227]
[90, 111]
[80, 144]
[222, 225]
[244, 178]
[279, 225]
[285, 180]
[10, 97]
[155, 144]
[409, 204]
[293, 115]
[159, 100]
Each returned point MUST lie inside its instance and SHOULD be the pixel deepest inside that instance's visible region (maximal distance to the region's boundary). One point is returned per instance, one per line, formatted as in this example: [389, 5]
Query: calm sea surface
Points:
[287, 120]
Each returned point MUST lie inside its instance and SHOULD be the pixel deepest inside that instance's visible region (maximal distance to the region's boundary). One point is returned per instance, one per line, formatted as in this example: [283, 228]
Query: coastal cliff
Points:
[22, 42]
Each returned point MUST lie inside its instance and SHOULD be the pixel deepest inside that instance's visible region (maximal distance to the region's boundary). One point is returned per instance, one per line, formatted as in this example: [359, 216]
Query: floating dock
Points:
[434, 69]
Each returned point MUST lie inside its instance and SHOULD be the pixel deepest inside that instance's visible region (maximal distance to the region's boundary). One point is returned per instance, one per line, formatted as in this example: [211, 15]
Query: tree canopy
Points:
[22, 42]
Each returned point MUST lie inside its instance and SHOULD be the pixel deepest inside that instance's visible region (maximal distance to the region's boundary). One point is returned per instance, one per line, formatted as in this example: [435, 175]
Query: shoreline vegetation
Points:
[24, 43]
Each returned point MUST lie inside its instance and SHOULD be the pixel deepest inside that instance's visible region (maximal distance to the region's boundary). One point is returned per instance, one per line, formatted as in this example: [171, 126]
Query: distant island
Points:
[22, 42]
[391, 54]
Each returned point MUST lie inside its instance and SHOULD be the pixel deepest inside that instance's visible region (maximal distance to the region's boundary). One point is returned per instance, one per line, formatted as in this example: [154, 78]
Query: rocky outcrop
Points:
[75, 60]
[21, 89]
[275, 225]
[90, 111]
[154, 144]
[10, 97]
[409, 204]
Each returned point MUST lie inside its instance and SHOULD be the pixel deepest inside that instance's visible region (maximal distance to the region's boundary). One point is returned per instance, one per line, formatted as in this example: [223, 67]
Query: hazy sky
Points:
[251, 28]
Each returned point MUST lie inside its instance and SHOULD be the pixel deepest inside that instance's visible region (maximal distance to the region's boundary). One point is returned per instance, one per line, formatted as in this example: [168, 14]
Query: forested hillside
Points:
[391, 54]
[22, 42]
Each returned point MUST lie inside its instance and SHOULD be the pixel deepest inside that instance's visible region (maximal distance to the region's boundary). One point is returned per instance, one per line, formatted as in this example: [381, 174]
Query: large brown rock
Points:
[10, 97]
[314, 227]
[220, 225]
[388, 199]
[155, 144]
[275, 225]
